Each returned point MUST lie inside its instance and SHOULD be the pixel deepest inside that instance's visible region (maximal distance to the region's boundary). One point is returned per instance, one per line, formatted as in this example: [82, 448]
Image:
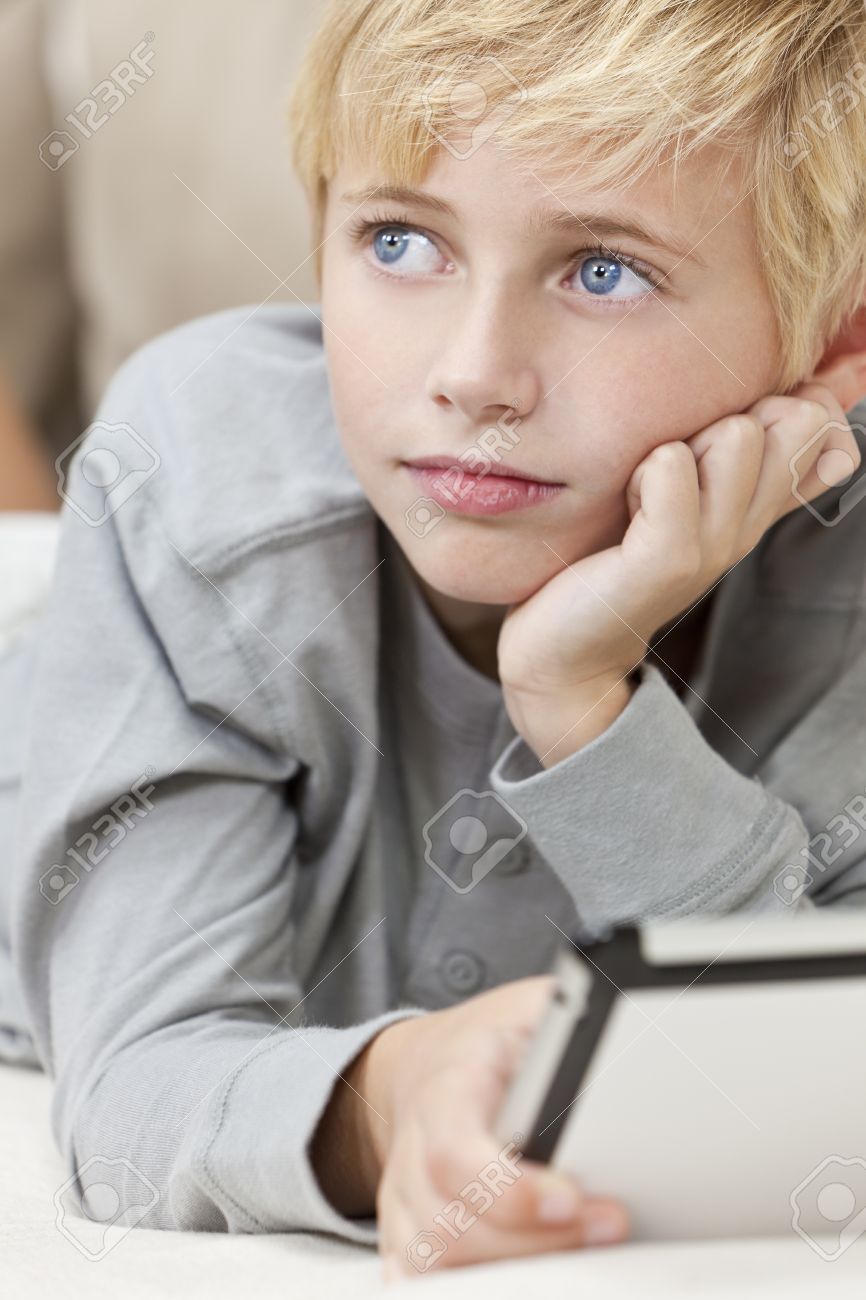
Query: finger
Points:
[664, 487]
[451, 1240]
[729, 456]
[408, 1200]
[527, 1209]
[453, 1190]
[815, 402]
[809, 448]
[414, 1246]
[604, 1223]
[473, 1229]
[517, 1194]
[837, 460]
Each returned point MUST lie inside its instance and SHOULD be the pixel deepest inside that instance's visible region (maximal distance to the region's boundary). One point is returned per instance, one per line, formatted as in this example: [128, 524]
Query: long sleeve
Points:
[155, 903]
[649, 820]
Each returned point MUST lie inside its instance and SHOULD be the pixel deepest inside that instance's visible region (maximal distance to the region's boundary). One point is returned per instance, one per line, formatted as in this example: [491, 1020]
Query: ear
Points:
[842, 367]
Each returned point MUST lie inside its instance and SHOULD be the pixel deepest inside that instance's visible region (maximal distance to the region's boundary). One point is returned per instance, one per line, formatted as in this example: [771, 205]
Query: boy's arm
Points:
[631, 806]
[153, 922]
[647, 819]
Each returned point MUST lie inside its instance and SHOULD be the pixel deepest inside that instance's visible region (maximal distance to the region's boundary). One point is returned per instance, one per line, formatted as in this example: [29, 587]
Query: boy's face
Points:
[433, 335]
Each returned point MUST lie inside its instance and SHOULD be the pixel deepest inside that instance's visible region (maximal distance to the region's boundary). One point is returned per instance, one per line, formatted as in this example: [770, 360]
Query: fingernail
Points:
[603, 1227]
[560, 1202]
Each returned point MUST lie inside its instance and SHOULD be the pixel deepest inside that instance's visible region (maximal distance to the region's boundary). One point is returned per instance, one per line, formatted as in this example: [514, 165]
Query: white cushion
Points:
[38, 1260]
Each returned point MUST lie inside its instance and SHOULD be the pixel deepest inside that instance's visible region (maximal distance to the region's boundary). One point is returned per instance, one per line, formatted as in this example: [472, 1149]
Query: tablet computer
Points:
[710, 1074]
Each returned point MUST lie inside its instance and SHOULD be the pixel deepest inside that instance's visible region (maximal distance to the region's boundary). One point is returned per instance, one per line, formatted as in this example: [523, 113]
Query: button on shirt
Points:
[462, 972]
[482, 892]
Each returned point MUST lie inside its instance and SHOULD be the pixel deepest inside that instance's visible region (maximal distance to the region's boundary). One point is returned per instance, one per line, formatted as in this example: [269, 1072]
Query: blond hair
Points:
[780, 84]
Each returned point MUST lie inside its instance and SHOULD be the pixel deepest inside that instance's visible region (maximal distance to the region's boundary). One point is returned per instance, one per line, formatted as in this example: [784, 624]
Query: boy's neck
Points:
[471, 627]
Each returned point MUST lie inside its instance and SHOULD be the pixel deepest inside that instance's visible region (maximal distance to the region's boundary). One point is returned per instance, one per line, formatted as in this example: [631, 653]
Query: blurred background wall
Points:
[146, 180]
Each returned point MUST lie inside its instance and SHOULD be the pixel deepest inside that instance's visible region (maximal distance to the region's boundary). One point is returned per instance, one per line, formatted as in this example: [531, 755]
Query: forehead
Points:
[674, 205]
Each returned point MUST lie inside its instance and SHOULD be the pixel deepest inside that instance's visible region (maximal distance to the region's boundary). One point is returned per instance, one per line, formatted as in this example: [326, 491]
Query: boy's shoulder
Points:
[224, 431]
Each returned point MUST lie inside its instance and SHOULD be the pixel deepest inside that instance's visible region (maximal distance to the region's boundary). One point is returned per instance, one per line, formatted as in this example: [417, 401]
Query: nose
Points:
[486, 365]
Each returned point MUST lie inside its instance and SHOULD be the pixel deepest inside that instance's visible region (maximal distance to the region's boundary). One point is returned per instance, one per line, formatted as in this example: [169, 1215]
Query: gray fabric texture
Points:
[240, 645]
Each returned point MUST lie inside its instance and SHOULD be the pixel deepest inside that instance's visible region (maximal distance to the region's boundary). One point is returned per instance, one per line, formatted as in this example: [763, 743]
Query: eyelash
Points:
[360, 228]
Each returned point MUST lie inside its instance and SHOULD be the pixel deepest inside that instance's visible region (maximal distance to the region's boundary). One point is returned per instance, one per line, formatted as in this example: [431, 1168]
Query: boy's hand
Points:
[696, 508]
[450, 1193]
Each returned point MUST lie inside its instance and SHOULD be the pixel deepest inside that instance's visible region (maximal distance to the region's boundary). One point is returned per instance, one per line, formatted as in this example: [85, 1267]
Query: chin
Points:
[491, 574]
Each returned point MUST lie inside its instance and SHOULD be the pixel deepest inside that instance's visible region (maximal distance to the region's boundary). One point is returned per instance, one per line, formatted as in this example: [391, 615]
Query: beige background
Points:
[183, 202]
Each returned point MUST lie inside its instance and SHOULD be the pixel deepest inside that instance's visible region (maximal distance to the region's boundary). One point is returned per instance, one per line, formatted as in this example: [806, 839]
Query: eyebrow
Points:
[540, 220]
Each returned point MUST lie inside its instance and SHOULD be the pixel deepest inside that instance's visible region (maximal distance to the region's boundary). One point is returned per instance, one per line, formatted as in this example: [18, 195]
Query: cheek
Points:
[665, 388]
[628, 402]
[369, 356]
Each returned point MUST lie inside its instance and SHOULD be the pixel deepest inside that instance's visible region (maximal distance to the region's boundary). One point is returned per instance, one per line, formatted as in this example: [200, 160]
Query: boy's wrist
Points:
[375, 1071]
[351, 1141]
[555, 727]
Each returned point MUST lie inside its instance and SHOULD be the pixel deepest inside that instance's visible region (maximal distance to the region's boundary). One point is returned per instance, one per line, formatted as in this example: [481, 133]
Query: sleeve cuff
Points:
[648, 819]
[257, 1162]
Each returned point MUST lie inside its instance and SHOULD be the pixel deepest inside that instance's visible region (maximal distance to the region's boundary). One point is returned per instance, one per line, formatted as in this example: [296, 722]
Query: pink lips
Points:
[455, 487]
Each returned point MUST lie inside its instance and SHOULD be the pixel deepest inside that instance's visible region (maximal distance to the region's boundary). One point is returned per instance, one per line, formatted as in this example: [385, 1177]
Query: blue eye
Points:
[599, 274]
[390, 244]
[602, 275]
[605, 273]
[399, 244]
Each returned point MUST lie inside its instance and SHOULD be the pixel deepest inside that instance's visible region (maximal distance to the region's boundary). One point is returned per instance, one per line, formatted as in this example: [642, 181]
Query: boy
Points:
[291, 685]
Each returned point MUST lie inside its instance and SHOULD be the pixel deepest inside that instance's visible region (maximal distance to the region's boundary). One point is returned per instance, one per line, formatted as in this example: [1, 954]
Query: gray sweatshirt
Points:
[264, 808]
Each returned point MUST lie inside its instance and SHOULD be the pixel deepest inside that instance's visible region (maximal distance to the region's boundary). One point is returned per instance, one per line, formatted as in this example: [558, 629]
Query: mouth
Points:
[491, 469]
[457, 488]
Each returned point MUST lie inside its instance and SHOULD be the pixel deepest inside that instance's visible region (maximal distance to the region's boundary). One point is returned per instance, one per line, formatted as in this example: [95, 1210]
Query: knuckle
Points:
[668, 453]
[765, 408]
[744, 426]
[816, 412]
